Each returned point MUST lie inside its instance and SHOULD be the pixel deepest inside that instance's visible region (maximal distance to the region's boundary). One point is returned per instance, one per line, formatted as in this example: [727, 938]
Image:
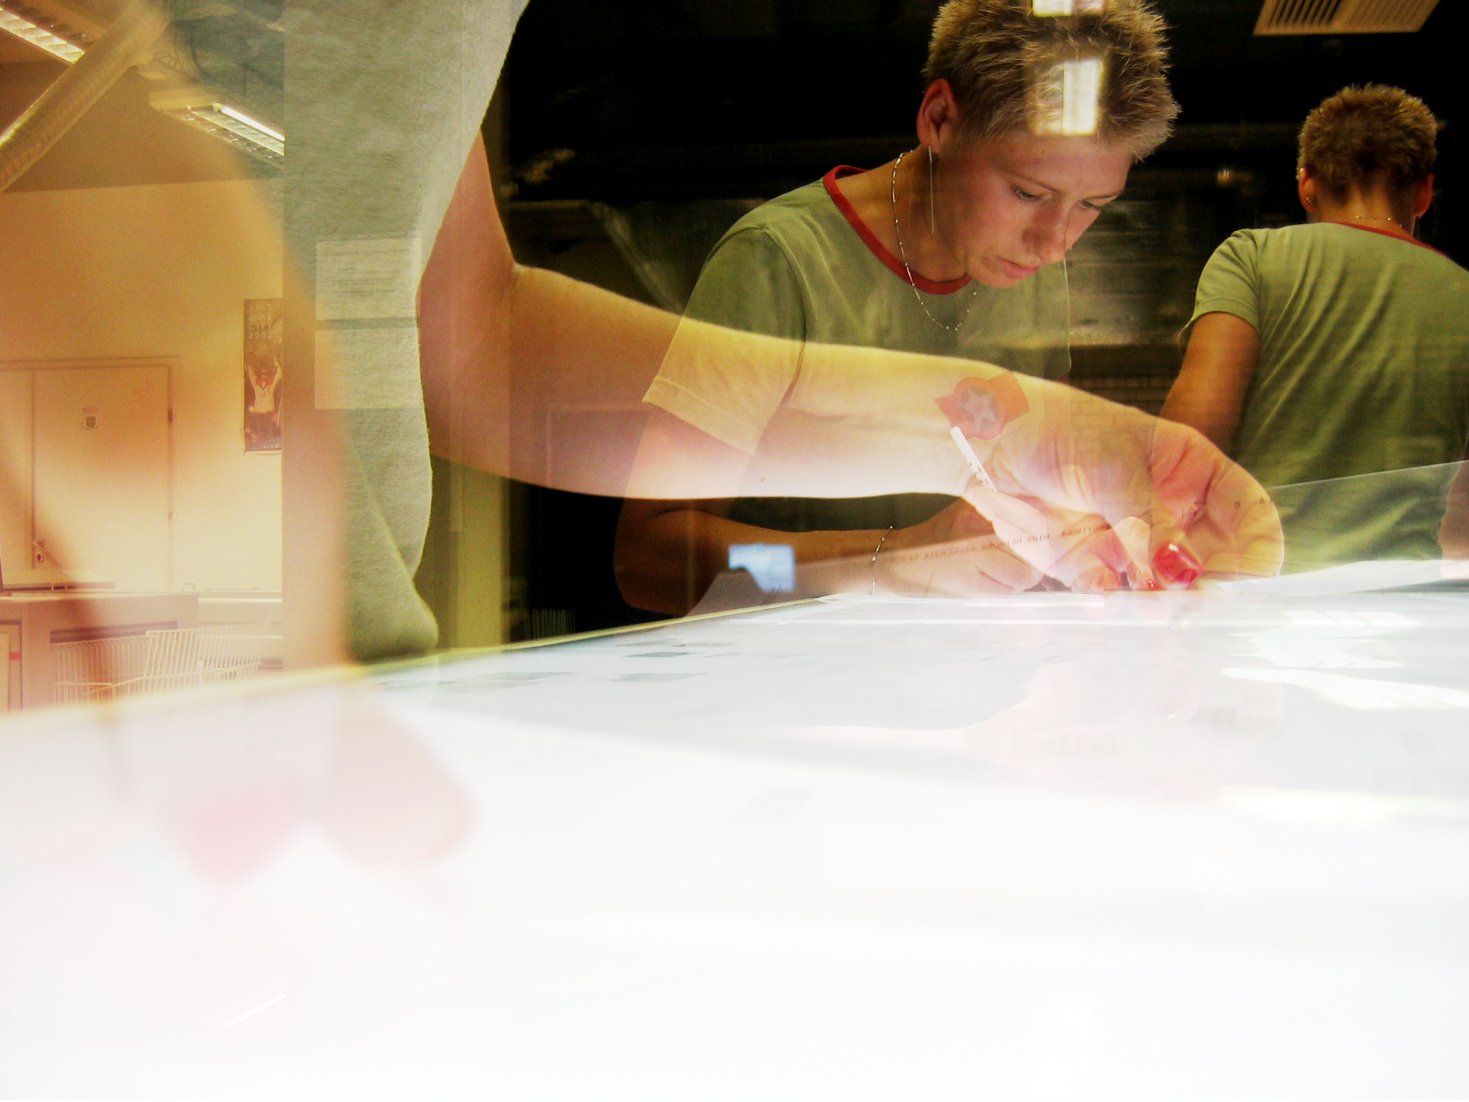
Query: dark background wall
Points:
[701, 99]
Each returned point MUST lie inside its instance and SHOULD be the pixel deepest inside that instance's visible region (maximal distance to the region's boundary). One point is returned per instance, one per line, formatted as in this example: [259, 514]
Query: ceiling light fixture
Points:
[201, 109]
[42, 37]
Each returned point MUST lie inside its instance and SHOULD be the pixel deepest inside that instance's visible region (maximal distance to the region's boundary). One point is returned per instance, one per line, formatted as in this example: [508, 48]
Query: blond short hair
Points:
[991, 52]
[1364, 135]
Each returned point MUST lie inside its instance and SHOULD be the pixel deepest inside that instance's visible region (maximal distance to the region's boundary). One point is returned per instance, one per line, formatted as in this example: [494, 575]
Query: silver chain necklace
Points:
[903, 256]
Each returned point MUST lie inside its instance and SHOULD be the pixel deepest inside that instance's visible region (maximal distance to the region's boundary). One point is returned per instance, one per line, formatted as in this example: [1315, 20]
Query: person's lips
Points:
[1018, 271]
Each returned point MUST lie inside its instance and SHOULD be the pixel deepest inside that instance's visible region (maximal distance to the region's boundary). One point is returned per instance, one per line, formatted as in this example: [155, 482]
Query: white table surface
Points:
[1198, 845]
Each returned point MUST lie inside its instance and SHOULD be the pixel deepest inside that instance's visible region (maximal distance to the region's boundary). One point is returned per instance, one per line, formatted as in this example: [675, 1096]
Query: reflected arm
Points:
[504, 347]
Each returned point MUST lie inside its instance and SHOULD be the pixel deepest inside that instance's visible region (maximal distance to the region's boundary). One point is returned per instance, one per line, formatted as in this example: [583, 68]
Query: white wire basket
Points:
[174, 658]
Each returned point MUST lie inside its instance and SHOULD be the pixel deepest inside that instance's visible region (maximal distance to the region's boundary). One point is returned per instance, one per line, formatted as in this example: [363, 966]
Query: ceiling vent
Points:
[1342, 16]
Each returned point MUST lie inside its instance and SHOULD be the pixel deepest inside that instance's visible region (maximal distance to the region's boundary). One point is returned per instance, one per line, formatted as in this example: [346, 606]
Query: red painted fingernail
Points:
[1176, 564]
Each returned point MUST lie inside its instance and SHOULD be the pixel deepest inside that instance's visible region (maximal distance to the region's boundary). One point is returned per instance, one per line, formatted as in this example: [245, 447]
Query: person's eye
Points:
[1087, 204]
[1026, 196]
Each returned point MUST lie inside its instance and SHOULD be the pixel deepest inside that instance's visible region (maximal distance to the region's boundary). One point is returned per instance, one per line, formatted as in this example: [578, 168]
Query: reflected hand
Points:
[1094, 493]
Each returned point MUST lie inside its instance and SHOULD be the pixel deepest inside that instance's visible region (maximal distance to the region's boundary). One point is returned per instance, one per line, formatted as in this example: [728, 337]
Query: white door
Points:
[103, 473]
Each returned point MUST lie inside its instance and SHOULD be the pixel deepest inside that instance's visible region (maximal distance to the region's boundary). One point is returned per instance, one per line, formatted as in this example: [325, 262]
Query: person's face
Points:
[1009, 206]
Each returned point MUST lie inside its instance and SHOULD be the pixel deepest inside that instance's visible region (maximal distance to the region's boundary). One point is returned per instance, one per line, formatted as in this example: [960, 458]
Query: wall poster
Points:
[263, 374]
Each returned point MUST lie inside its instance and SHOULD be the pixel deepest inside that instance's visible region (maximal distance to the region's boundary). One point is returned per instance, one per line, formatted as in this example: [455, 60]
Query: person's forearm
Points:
[497, 388]
[665, 561]
[1192, 403]
[1219, 362]
[507, 358]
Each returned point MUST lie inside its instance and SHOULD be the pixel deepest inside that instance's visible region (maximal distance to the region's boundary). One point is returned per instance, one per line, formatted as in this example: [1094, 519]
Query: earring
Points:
[933, 225]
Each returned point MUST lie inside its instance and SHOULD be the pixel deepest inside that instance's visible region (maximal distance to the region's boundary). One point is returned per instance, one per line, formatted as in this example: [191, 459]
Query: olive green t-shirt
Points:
[1361, 388]
[804, 266]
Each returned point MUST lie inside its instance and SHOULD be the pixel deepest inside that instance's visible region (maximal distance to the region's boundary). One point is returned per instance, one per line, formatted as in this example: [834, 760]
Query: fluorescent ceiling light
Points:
[252, 125]
[41, 37]
[1066, 7]
[199, 108]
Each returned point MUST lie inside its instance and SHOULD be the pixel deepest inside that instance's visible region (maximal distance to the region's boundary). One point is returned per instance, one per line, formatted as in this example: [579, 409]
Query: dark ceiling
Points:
[695, 99]
[624, 101]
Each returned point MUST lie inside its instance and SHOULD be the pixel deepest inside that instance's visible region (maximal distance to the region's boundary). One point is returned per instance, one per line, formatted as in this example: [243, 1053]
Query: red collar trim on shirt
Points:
[1385, 233]
[894, 265]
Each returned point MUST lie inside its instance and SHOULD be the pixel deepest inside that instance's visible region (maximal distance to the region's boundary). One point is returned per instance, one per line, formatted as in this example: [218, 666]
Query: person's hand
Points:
[955, 553]
[1100, 495]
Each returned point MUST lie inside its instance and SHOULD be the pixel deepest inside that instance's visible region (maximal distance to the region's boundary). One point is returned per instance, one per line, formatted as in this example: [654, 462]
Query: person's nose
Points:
[1049, 236]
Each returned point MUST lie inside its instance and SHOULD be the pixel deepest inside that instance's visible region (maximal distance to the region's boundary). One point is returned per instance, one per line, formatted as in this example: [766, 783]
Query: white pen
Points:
[1028, 523]
[975, 466]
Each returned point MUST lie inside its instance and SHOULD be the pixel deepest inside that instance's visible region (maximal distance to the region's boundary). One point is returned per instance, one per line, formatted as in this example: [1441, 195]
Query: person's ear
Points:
[938, 116]
[1423, 197]
[1306, 190]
